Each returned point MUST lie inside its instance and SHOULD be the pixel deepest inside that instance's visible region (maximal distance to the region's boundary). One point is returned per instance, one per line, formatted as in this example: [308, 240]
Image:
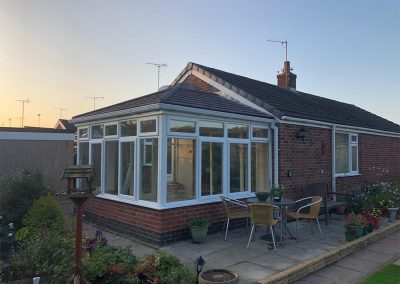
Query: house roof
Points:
[65, 124]
[182, 95]
[283, 102]
[35, 130]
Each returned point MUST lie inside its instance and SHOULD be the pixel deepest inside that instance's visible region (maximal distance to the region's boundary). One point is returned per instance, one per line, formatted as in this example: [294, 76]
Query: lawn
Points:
[388, 274]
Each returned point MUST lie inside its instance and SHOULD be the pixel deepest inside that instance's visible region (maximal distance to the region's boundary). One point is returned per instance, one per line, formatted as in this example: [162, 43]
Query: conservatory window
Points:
[97, 131]
[95, 161]
[127, 167]
[238, 175]
[259, 167]
[211, 168]
[182, 126]
[211, 129]
[238, 131]
[111, 130]
[128, 128]
[111, 167]
[148, 167]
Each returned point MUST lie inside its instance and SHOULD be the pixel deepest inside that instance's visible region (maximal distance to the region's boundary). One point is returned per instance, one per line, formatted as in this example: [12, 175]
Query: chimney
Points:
[287, 79]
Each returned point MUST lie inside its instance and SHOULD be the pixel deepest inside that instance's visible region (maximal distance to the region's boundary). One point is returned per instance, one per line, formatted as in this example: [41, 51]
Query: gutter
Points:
[276, 154]
[333, 161]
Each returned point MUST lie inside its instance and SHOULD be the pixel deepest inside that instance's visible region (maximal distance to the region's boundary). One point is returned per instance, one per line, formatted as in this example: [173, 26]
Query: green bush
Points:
[44, 215]
[170, 271]
[17, 194]
[110, 265]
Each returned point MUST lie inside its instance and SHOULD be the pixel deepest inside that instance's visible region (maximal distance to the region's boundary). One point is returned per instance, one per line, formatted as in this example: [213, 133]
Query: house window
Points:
[97, 131]
[346, 153]
[211, 129]
[83, 133]
[148, 126]
[111, 130]
[95, 161]
[127, 166]
[259, 167]
[260, 132]
[182, 183]
[238, 175]
[211, 168]
[111, 167]
[148, 176]
[182, 126]
[83, 157]
[238, 131]
[128, 128]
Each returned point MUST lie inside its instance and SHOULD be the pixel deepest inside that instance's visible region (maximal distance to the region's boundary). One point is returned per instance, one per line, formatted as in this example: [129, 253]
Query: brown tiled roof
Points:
[182, 96]
[283, 102]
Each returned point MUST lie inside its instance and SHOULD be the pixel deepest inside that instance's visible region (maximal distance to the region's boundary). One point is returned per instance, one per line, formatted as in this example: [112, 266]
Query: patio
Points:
[255, 263]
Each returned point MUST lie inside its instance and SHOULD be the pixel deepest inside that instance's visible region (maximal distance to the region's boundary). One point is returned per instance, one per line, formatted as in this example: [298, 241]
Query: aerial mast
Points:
[158, 65]
[94, 100]
[27, 101]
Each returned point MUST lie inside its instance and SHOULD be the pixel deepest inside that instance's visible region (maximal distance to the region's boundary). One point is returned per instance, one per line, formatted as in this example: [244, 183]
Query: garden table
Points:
[283, 204]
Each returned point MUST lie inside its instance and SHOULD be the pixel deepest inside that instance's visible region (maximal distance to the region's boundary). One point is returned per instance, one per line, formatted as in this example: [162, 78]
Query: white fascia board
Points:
[229, 93]
[339, 127]
[187, 74]
[35, 136]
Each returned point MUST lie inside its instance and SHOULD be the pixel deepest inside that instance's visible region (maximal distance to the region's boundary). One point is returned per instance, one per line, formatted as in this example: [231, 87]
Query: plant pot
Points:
[384, 221]
[218, 276]
[199, 233]
[340, 210]
[350, 236]
[370, 228]
[277, 198]
[393, 213]
[365, 230]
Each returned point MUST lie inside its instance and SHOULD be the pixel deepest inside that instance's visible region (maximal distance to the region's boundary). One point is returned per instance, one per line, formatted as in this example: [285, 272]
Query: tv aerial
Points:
[23, 102]
[94, 100]
[285, 43]
[61, 110]
[158, 65]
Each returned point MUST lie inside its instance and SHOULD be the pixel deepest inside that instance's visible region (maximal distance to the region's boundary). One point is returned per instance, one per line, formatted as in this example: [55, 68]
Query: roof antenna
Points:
[61, 110]
[27, 101]
[282, 42]
[158, 65]
[94, 100]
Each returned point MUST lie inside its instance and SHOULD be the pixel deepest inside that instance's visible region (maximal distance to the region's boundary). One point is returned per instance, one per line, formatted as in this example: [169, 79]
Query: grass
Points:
[389, 274]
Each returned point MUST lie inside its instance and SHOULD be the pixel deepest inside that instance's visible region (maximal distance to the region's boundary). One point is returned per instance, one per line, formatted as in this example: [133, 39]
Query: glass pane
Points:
[260, 132]
[127, 167]
[148, 126]
[111, 130]
[212, 129]
[182, 126]
[96, 163]
[83, 133]
[111, 167]
[97, 131]
[342, 153]
[148, 169]
[259, 167]
[128, 128]
[238, 167]
[83, 158]
[181, 185]
[237, 131]
[211, 168]
[354, 164]
[354, 138]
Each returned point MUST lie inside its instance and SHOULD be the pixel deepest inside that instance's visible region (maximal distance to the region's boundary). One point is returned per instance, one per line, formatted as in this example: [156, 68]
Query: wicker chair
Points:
[262, 215]
[314, 206]
[234, 209]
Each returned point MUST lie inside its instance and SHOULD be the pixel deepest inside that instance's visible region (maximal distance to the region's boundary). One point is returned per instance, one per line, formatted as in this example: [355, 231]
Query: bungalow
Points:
[165, 158]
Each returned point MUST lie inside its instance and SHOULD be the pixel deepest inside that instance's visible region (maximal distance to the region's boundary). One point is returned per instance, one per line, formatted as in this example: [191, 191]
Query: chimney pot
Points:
[287, 79]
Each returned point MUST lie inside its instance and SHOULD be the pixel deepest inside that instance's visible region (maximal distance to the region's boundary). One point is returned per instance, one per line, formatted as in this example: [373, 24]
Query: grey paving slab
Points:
[273, 261]
[372, 255]
[358, 264]
[294, 253]
[337, 274]
[250, 272]
[313, 279]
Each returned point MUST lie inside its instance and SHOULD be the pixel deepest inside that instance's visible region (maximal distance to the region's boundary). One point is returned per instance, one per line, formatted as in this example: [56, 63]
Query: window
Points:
[148, 126]
[211, 129]
[83, 158]
[182, 183]
[211, 168]
[111, 130]
[238, 131]
[259, 132]
[346, 153]
[83, 133]
[182, 126]
[111, 167]
[238, 175]
[95, 161]
[148, 176]
[97, 131]
[127, 167]
[259, 167]
[128, 128]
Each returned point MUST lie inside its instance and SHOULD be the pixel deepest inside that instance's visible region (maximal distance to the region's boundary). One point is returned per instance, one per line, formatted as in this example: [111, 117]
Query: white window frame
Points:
[259, 138]
[120, 128]
[88, 133]
[111, 136]
[183, 134]
[235, 138]
[350, 158]
[139, 126]
[224, 133]
[127, 139]
[91, 132]
[247, 191]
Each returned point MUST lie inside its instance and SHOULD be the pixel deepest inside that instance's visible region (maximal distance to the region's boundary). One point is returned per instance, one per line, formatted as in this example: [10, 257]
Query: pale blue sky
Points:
[57, 52]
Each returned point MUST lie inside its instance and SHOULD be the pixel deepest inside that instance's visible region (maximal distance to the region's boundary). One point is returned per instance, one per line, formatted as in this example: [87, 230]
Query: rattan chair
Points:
[262, 215]
[314, 207]
[234, 209]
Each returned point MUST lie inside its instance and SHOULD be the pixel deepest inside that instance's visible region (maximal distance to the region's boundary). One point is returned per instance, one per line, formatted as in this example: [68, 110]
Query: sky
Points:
[58, 53]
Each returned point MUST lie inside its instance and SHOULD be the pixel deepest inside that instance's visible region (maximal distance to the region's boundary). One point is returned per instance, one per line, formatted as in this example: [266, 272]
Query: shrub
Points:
[198, 222]
[169, 270]
[17, 194]
[110, 264]
[44, 215]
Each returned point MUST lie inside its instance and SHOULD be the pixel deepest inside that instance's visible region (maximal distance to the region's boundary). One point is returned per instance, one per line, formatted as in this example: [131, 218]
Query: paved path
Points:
[357, 266]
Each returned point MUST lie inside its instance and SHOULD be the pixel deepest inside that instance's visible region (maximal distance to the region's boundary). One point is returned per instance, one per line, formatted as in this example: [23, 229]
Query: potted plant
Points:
[198, 229]
[371, 221]
[277, 192]
[355, 224]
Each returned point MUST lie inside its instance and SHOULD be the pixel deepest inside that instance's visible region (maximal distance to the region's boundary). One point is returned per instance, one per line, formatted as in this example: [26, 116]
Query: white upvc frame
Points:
[103, 165]
[91, 132]
[101, 143]
[247, 191]
[139, 126]
[186, 119]
[128, 139]
[88, 133]
[120, 127]
[105, 125]
[350, 144]
[252, 126]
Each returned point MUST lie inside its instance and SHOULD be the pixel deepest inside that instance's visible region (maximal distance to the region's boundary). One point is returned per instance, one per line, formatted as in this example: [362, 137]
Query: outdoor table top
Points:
[283, 202]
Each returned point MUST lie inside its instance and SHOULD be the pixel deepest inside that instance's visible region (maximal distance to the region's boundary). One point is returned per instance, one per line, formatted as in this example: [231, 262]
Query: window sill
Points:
[348, 175]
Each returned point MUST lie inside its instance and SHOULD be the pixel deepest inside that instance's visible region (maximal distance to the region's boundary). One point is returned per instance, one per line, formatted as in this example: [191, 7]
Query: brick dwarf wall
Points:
[310, 160]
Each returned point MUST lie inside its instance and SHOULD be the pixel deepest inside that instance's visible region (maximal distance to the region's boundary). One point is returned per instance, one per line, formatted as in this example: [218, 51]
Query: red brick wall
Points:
[309, 160]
